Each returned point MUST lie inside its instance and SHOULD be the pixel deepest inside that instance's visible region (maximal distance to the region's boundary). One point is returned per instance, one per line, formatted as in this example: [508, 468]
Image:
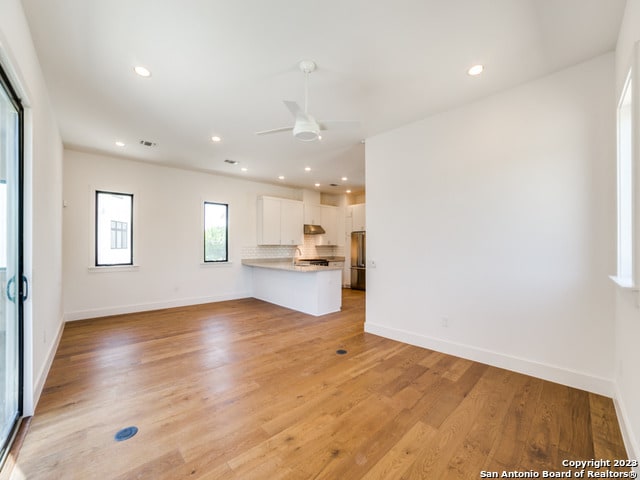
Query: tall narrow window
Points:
[114, 226]
[625, 186]
[216, 232]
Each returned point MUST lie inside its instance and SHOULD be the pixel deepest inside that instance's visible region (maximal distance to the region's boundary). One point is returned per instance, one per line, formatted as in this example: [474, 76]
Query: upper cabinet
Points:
[359, 217]
[268, 215]
[280, 221]
[312, 214]
[291, 226]
[329, 221]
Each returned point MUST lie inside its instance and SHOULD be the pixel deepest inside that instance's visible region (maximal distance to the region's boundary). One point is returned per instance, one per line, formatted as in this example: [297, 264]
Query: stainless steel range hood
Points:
[313, 230]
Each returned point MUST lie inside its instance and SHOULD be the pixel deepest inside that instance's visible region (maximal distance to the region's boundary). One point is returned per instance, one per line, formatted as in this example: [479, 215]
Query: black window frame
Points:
[23, 292]
[204, 233]
[95, 245]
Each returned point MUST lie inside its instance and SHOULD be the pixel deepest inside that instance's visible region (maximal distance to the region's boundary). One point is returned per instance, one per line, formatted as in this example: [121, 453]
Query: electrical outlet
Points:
[445, 322]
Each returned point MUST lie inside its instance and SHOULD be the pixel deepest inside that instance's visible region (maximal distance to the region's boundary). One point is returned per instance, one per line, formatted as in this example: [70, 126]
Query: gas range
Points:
[313, 261]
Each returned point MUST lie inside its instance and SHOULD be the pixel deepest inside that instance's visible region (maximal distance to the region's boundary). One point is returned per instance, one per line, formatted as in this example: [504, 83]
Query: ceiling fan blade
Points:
[295, 109]
[338, 124]
[274, 130]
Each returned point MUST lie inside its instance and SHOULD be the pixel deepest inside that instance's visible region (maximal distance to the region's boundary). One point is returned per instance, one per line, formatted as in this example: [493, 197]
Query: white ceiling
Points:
[223, 67]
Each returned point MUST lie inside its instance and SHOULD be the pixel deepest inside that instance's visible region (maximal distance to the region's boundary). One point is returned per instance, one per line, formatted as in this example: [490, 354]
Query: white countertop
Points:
[285, 264]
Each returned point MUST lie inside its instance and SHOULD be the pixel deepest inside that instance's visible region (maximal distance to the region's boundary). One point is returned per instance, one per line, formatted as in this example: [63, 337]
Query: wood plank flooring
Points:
[248, 390]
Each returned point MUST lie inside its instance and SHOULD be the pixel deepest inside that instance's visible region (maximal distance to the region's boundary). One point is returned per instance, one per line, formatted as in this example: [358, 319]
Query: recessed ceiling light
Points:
[344, 179]
[348, 191]
[244, 169]
[476, 70]
[281, 177]
[307, 169]
[319, 137]
[215, 139]
[317, 184]
[119, 143]
[142, 71]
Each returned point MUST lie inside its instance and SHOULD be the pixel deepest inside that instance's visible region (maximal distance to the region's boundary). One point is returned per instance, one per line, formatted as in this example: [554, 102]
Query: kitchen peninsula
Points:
[312, 289]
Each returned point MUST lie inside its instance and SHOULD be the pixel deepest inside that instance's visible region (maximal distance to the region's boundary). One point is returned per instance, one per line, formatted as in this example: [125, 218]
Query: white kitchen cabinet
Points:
[329, 221]
[291, 226]
[358, 221]
[268, 215]
[315, 292]
[279, 221]
[312, 214]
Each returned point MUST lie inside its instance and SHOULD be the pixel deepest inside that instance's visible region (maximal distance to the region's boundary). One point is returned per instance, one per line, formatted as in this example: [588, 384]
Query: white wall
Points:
[627, 326]
[167, 236]
[43, 196]
[498, 218]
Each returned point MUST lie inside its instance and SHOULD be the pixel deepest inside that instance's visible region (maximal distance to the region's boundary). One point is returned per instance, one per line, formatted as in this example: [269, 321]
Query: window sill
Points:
[114, 268]
[216, 264]
[625, 282]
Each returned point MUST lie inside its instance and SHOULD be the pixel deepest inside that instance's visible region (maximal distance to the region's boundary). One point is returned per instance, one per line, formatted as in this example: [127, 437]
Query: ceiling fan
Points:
[306, 128]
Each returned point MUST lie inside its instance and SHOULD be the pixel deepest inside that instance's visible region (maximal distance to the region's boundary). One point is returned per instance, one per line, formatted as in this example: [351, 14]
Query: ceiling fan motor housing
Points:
[306, 130]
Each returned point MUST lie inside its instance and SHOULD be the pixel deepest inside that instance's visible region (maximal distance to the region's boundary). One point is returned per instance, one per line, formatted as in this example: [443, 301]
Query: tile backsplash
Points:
[309, 250]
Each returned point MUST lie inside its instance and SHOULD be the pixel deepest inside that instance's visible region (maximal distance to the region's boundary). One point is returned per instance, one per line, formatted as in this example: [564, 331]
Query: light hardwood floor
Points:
[248, 390]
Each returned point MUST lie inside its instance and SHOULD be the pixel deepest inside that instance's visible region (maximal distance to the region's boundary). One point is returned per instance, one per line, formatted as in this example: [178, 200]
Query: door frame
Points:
[21, 279]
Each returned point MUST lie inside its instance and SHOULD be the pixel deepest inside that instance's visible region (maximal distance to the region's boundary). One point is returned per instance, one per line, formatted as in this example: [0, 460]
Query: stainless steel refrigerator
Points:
[358, 260]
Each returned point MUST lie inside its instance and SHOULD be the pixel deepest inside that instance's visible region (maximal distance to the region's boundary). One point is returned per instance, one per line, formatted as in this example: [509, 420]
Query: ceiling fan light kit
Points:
[305, 128]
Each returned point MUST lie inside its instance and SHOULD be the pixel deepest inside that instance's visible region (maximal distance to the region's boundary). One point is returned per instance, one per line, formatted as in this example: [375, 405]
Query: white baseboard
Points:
[590, 383]
[630, 441]
[41, 378]
[143, 307]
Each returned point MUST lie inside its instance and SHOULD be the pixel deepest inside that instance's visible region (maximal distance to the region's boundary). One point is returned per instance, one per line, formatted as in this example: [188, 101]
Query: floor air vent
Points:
[126, 433]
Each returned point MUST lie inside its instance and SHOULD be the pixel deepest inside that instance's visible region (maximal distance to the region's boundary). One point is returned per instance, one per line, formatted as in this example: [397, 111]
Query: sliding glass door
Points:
[12, 282]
